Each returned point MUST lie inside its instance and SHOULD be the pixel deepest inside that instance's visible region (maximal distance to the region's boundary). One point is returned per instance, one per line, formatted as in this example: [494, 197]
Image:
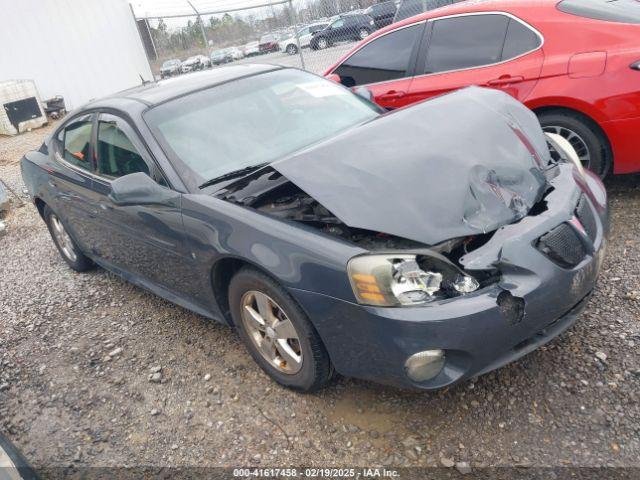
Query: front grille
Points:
[587, 218]
[563, 246]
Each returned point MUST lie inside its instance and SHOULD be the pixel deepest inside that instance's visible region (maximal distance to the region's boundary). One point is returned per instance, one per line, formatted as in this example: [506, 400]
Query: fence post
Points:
[201, 22]
[294, 19]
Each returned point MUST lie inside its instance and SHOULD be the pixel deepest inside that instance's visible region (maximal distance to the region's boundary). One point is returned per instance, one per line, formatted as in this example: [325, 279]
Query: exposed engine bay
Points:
[269, 192]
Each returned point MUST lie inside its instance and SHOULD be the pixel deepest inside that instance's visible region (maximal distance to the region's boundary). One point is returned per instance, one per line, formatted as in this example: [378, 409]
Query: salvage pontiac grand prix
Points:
[418, 247]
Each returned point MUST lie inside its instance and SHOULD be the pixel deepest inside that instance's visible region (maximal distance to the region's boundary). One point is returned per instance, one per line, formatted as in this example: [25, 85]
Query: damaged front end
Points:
[388, 275]
[415, 196]
[484, 245]
[433, 213]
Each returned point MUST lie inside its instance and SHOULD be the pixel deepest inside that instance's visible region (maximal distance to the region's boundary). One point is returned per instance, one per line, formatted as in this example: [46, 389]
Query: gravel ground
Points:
[78, 354]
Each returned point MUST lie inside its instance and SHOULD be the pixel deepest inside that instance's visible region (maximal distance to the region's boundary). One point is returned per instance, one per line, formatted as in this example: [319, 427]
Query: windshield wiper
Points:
[233, 174]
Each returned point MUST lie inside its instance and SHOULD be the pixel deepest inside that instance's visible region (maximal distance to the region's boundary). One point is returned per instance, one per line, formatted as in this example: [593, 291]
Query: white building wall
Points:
[80, 49]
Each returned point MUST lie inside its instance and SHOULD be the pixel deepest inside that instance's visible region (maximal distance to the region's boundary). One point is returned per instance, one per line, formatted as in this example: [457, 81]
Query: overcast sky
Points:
[158, 8]
[144, 8]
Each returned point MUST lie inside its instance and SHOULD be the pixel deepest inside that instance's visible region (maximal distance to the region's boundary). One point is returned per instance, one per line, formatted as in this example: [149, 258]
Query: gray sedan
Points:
[419, 247]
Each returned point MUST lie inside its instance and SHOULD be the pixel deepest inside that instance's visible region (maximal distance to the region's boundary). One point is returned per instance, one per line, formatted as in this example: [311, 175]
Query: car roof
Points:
[470, 6]
[160, 91]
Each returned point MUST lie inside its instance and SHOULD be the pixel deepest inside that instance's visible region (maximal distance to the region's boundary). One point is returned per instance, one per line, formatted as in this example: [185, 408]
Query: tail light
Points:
[635, 65]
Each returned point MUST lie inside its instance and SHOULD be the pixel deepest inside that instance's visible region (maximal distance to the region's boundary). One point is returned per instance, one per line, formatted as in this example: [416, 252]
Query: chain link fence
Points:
[308, 34]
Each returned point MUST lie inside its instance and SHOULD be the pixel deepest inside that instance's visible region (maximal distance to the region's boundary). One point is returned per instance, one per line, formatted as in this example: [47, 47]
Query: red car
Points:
[576, 63]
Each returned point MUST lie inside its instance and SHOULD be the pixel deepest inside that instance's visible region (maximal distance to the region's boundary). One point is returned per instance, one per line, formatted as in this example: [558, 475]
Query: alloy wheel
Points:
[322, 43]
[63, 239]
[272, 332]
[364, 33]
[576, 141]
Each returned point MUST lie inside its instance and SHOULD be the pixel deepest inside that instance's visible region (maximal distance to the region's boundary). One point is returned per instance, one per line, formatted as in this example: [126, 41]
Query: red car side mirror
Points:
[333, 77]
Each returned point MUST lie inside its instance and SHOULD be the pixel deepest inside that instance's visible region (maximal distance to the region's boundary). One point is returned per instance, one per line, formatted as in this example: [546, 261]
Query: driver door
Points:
[144, 241]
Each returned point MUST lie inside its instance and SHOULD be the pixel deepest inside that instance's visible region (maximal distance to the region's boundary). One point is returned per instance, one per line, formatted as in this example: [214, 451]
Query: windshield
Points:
[253, 121]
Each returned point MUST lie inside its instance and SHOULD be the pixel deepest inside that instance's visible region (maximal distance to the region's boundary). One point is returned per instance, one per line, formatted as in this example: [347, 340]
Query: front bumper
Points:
[476, 333]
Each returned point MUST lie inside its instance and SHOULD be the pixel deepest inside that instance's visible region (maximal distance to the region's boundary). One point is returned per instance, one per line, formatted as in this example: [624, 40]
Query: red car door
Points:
[384, 66]
[492, 50]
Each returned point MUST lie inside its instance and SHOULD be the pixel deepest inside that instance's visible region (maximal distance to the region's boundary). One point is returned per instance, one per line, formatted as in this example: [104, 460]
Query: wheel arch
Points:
[221, 274]
[40, 205]
[586, 117]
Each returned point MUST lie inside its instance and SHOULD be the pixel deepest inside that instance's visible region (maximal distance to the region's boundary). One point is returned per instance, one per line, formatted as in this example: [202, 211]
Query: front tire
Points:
[587, 140]
[277, 333]
[64, 243]
[322, 43]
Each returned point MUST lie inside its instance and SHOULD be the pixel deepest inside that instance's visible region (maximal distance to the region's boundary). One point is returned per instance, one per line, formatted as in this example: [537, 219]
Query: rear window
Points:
[622, 11]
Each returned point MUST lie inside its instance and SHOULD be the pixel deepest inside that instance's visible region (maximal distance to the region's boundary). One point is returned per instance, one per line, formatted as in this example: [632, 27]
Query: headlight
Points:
[405, 280]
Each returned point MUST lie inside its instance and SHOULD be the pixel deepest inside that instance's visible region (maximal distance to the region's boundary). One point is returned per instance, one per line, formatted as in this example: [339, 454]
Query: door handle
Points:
[505, 80]
[391, 95]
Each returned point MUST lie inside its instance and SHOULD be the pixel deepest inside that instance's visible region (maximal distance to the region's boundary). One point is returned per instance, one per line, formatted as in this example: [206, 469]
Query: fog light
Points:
[423, 366]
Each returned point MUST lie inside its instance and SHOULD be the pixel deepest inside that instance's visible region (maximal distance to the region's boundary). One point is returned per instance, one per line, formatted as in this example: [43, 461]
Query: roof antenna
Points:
[144, 82]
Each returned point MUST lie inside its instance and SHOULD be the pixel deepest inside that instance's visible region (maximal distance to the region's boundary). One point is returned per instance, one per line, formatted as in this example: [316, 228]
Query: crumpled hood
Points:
[461, 164]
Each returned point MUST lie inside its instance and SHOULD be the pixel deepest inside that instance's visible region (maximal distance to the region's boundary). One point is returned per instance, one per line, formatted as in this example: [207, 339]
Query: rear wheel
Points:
[586, 139]
[277, 333]
[363, 33]
[65, 244]
[292, 49]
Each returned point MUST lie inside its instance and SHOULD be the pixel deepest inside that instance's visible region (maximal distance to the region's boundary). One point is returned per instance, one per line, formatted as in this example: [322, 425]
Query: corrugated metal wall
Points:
[81, 49]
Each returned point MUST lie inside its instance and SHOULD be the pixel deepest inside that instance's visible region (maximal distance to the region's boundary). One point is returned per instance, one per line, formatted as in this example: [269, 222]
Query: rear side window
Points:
[520, 40]
[76, 142]
[466, 42]
[622, 11]
[385, 58]
[116, 154]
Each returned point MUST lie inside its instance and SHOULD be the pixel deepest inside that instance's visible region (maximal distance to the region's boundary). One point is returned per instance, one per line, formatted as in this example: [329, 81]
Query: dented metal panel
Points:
[461, 164]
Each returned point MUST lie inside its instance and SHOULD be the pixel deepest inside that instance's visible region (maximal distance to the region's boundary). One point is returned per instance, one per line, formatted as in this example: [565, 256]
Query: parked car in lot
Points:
[382, 13]
[170, 68]
[205, 62]
[419, 248]
[252, 49]
[582, 85]
[290, 43]
[268, 43]
[191, 64]
[346, 28]
[236, 53]
[221, 56]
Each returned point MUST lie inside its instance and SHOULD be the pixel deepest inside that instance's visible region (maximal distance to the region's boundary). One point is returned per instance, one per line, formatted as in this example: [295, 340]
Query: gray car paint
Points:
[418, 174]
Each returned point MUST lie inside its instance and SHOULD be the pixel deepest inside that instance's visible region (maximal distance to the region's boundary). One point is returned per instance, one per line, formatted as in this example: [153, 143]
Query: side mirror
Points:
[140, 189]
[364, 93]
[334, 77]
